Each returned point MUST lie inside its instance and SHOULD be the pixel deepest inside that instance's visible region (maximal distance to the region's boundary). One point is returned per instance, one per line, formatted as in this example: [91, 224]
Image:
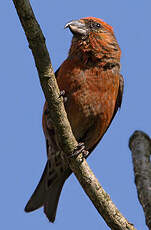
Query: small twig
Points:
[79, 166]
[140, 145]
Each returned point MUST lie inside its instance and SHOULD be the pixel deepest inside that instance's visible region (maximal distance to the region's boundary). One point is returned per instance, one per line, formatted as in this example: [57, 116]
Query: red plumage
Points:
[93, 86]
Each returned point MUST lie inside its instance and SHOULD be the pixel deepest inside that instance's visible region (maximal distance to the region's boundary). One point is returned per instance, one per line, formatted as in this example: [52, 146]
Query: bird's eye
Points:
[94, 25]
[98, 25]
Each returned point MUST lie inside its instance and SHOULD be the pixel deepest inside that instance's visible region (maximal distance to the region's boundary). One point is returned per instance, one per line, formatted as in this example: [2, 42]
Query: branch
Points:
[79, 166]
[140, 145]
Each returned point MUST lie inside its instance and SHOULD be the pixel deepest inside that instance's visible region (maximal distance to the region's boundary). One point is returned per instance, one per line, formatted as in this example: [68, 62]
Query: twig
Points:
[140, 145]
[79, 166]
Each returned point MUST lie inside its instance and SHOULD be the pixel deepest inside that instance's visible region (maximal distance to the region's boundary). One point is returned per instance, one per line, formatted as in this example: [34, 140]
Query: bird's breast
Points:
[91, 97]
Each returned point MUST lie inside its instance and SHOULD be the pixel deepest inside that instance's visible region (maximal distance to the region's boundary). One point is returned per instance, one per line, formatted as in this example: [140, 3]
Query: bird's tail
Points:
[48, 198]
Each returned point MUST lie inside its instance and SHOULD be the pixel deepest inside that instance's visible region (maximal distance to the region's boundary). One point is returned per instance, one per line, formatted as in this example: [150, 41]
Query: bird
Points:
[93, 86]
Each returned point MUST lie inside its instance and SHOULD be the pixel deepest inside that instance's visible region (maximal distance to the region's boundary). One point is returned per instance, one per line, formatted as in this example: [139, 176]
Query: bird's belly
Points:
[89, 110]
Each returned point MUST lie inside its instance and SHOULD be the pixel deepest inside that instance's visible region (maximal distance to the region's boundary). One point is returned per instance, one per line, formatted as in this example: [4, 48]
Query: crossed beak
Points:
[77, 27]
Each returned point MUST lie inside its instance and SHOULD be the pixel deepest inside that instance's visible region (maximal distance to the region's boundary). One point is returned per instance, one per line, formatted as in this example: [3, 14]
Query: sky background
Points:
[22, 143]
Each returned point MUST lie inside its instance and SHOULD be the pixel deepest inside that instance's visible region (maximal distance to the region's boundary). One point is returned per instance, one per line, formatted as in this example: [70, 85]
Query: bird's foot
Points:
[79, 149]
[62, 94]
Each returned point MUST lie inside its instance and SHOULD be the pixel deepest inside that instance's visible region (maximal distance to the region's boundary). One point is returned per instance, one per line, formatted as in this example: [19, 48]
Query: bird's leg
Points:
[79, 149]
[62, 94]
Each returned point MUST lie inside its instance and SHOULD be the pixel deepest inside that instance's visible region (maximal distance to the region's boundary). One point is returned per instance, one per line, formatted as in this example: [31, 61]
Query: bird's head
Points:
[94, 38]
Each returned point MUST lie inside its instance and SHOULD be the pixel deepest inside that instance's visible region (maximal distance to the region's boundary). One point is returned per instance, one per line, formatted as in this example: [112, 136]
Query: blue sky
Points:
[23, 152]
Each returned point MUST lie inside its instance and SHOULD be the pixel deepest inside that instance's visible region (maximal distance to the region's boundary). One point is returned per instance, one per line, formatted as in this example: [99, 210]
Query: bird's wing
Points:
[120, 92]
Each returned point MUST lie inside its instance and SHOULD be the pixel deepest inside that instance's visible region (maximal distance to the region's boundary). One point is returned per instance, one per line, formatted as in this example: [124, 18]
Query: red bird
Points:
[93, 86]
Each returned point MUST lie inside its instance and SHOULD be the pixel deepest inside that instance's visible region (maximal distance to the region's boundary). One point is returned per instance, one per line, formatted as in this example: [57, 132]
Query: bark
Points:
[78, 165]
[140, 145]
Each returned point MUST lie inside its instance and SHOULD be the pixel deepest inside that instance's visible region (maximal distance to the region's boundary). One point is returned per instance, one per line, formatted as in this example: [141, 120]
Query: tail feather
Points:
[37, 199]
[47, 197]
[52, 198]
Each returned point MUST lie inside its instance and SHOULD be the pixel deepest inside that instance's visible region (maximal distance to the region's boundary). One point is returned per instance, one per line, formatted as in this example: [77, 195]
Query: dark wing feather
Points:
[120, 92]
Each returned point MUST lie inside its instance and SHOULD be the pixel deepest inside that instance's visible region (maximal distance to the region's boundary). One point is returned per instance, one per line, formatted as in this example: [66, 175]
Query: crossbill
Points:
[93, 85]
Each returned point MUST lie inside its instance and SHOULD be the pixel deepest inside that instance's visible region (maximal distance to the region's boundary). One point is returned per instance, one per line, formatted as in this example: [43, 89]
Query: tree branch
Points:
[79, 166]
[140, 145]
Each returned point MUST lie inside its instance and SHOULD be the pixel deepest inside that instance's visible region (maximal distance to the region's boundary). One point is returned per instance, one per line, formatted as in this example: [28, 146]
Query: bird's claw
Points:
[62, 94]
[79, 149]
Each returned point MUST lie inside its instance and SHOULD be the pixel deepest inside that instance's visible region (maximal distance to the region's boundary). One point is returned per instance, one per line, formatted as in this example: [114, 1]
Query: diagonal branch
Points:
[79, 166]
[140, 145]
